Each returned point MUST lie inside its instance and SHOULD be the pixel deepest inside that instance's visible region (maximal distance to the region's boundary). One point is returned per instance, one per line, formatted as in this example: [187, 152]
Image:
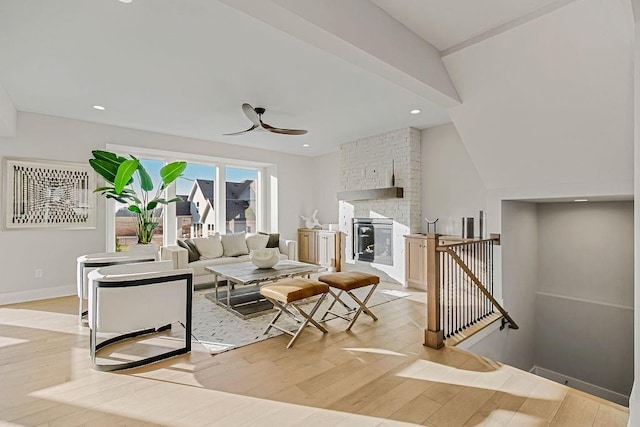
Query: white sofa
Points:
[180, 257]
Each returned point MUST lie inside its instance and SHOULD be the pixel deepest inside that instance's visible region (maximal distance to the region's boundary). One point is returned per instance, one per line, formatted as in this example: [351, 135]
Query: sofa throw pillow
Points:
[192, 251]
[209, 247]
[234, 244]
[274, 240]
[257, 241]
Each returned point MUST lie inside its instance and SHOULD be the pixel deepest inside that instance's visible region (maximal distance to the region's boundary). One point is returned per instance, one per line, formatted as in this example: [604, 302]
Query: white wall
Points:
[584, 312]
[586, 250]
[55, 251]
[550, 102]
[520, 277]
[8, 114]
[451, 185]
[634, 401]
[326, 184]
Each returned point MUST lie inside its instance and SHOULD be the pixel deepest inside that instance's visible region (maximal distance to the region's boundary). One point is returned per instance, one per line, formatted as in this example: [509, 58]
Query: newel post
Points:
[433, 335]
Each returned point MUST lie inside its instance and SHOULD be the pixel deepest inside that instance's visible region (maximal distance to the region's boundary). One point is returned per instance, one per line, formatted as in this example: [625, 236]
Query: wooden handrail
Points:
[480, 286]
[459, 286]
[461, 242]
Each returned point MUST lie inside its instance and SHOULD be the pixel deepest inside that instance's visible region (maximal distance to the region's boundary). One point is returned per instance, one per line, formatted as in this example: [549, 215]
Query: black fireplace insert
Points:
[373, 240]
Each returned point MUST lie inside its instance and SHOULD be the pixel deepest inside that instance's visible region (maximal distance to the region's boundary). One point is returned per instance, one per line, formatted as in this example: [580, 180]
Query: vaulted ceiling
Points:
[184, 68]
[446, 24]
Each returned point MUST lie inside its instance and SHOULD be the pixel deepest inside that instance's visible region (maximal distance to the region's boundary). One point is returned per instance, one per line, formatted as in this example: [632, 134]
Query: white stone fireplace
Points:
[368, 164]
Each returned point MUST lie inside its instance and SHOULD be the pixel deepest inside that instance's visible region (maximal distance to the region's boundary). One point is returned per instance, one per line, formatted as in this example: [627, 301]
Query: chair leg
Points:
[308, 318]
[277, 316]
[82, 313]
[336, 298]
[363, 306]
[351, 312]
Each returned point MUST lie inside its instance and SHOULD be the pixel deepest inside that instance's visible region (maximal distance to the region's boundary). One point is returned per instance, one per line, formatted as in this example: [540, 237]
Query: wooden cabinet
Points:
[320, 247]
[416, 261]
[307, 246]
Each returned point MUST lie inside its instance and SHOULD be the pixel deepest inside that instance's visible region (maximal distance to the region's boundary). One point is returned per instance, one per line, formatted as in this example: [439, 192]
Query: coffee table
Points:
[246, 273]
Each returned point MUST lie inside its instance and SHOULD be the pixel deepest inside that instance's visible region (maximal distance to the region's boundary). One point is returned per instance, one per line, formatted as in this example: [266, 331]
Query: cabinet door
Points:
[326, 249]
[416, 263]
[307, 246]
[303, 246]
[321, 249]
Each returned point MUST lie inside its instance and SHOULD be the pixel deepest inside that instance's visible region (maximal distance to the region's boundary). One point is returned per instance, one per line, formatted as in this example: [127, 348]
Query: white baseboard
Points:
[634, 407]
[37, 294]
[604, 393]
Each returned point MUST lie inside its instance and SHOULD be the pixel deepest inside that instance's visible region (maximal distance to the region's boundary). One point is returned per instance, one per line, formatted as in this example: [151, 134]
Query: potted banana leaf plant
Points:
[120, 174]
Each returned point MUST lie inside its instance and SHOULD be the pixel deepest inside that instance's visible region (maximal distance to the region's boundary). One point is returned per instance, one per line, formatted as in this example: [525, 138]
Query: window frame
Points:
[266, 192]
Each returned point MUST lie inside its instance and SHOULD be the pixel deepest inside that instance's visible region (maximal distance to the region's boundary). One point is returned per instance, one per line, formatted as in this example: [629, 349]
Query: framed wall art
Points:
[44, 194]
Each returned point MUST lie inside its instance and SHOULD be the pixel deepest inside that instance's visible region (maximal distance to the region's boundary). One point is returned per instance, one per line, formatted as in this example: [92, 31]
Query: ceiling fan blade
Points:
[288, 131]
[283, 131]
[251, 114]
[241, 132]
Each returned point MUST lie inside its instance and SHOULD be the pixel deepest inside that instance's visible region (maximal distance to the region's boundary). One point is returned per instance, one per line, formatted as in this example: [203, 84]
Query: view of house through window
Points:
[195, 214]
[242, 186]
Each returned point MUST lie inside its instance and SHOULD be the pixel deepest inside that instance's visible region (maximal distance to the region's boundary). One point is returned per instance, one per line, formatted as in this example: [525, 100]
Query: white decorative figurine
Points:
[311, 222]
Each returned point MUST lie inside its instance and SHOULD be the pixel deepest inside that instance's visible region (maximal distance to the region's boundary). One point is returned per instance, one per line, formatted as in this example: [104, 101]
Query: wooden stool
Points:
[347, 282]
[284, 294]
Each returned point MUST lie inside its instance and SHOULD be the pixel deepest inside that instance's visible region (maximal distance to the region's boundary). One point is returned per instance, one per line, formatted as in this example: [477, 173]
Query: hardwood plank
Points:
[417, 410]
[608, 416]
[543, 402]
[394, 399]
[498, 410]
[377, 374]
[576, 411]
[460, 408]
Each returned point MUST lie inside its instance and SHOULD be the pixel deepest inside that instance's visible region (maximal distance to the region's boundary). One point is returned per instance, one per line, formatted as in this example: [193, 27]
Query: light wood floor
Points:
[378, 374]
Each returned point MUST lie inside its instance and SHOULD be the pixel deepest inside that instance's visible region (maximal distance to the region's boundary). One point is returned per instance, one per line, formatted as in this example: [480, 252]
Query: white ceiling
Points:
[185, 68]
[446, 23]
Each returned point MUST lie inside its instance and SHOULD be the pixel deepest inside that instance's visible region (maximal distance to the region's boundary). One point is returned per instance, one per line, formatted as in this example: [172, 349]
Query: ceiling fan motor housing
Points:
[255, 115]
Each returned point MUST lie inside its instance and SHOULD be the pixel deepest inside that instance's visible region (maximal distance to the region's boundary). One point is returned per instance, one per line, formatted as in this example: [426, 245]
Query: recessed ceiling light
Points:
[305, 145]
[125, 1]
[581, 200]
[416, 111]
[99, 107]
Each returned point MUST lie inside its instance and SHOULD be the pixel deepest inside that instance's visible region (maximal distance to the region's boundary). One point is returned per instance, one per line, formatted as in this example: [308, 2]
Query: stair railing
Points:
[459, 286]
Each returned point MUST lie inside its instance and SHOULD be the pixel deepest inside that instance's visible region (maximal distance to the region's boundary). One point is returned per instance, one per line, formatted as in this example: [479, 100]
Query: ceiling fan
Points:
[255, 115]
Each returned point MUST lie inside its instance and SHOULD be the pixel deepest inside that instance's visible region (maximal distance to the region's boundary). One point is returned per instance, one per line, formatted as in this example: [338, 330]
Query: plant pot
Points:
[144, 249]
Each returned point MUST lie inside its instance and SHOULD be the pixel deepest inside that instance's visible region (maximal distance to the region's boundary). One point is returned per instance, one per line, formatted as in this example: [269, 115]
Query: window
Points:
[215, 197]
[195, 214]
[241, 198]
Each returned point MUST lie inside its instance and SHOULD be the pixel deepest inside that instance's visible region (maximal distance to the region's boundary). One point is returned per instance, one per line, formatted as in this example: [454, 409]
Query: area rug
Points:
[218, 330]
